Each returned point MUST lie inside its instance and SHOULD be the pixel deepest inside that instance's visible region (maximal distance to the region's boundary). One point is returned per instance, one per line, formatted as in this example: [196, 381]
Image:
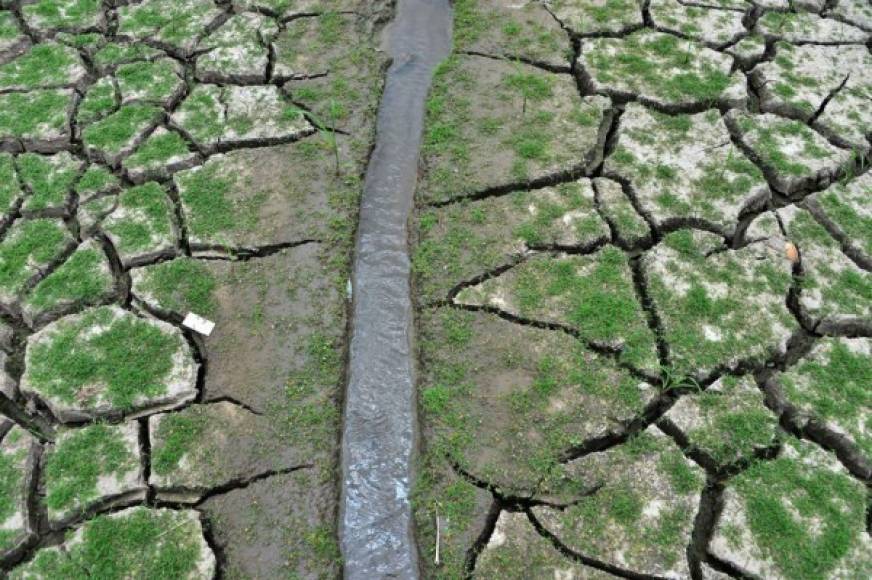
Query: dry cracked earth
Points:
[642, 266]
[641, 262]
[160, 157]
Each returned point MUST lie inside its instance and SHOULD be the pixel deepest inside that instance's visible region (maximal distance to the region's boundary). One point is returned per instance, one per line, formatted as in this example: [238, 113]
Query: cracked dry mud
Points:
[642, 266]
[160, 157]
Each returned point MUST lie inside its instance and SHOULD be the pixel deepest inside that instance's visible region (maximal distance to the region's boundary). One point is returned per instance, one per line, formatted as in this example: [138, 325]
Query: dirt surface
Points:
[160, 158]
[642, 272]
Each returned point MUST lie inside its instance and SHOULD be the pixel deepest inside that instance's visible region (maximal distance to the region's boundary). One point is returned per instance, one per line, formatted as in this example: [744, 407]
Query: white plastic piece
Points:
[198, 324]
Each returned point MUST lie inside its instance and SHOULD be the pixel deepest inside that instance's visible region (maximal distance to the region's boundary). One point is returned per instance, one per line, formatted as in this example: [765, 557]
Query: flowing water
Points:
[379, 430]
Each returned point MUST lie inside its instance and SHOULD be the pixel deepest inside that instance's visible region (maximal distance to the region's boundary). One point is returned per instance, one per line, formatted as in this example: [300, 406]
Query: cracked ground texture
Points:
[642, 267]
[161, 157]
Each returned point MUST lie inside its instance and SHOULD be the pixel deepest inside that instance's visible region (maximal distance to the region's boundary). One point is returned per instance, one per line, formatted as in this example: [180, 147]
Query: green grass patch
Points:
[49, 179]
[28, 245]
[73, 467]
[145, 220]
[99, 101]
[181, 285]
[117, 131]
[35, 114]
[177, 434]
[804, 519]
[139, 543]
[81, 279]
[43, 66]
[126, 356]
[158, 150]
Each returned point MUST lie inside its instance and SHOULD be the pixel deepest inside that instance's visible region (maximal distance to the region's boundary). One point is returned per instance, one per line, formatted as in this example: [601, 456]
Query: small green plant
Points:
[532, 87]
[671, 380]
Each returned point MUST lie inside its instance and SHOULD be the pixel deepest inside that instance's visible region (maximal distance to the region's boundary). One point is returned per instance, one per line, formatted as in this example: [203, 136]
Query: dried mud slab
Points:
[729, 420]
[516, 550]
[84, 279]
[36, 121]
[237, 52]
[829, 384]
[703, 300]
[10, 189]
[8, 385]
[749, 51]
[67, 15]
[113, 53]
[116, 136]
[335, 71]
[792, 156]
[205, 447]
[43, 66]
[640, 518]
[844, 210]
[135, 542]
[592, 295]
[175, 24]
[592, 17]
[19, 454]
[522, 30]
[460, 241]
[713, 26]
[804, 27]
[96, 466]
[662, 70]
[504, 401]
[12, 40]
[465, 514]
[628, 227]
[310, 47]
[801, 80]
[107, 362]
[162, 154]
[29, 247]
[158, 82]
[857, 12]
[277, 527]
[233, 202]
[140, 225]
[48, 181]
[221, 118]
[287, 9]
[833, 289]
[492, 124]
[685, 169]
[100, 100]
[820, 512]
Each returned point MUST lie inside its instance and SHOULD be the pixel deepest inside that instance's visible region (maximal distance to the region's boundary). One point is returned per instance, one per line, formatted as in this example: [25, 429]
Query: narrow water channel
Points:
[379, 431]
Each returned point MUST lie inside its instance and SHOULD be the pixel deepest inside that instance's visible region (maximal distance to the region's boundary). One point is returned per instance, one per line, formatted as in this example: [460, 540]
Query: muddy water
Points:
[379, 430]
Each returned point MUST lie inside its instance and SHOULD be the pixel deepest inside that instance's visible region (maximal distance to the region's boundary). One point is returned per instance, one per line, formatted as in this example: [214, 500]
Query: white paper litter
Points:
[198, 324]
